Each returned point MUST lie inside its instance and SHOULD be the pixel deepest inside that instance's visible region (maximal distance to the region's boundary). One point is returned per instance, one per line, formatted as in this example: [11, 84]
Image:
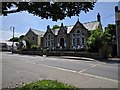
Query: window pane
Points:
[33, 38]
[82, 34]
[48, 43]
[73, 42]
[78, 41]
[78, 31]
[83, 41]
[48, 36]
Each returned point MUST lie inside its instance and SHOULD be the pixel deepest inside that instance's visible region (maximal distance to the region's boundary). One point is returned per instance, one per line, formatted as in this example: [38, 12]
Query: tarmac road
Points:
[19, 69]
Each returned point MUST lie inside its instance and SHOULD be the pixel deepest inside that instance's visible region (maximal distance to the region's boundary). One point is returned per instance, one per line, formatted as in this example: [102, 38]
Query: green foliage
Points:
[56, 11]
[16, 39]
[46, 50]
[106, 37]
[94, 41]
[56, 27]
[34, 47]
[46, 85]
[98, 40]
[111, 29]
[28, 44]
[21, 37]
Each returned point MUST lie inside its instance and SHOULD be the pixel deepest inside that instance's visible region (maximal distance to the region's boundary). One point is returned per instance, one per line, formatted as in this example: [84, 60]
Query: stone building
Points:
[35, 37]
[117, 20]
[70, 37]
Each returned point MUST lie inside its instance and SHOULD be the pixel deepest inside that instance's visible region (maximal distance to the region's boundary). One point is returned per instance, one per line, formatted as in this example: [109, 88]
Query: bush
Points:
[46, 85]
[45, 51]
[34, 47]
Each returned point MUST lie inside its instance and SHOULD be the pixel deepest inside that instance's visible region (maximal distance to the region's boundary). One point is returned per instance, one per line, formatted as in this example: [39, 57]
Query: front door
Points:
[62, 42]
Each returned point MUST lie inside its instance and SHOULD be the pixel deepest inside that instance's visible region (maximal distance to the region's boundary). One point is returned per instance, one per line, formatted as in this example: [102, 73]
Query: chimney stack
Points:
[98, 18]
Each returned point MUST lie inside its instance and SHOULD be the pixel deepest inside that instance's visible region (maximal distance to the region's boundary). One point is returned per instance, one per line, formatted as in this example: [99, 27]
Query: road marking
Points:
[100, 77]
[53, 67]
[93, 65]
[80, 72]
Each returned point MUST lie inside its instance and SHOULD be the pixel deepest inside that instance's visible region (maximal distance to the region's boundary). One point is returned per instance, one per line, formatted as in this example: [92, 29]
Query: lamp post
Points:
[12, 29]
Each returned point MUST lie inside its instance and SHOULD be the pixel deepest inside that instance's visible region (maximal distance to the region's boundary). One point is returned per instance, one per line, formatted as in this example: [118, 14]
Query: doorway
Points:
[62, 42]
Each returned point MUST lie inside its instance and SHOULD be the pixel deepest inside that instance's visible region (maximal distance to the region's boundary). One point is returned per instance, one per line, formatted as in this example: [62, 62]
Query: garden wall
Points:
[61, 53]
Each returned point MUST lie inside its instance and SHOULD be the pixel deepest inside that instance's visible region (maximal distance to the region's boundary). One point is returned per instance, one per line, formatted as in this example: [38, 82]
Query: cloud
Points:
[6, 35]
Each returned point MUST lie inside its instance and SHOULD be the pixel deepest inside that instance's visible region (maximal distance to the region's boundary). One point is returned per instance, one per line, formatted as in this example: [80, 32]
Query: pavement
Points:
[21, 69]
[108, 60]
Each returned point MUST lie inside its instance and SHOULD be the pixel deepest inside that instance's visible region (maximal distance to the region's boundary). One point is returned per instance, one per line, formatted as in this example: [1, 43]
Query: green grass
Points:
[46, 85]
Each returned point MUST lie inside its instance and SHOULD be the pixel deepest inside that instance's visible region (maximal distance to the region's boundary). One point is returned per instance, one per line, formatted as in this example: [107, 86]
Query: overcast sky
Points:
[23, 21]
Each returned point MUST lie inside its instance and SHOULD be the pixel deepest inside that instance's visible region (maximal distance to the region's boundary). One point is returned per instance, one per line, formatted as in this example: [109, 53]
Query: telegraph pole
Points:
[12, 29]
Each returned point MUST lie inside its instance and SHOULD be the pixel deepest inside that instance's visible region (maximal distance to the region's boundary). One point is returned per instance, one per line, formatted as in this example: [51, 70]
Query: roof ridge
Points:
[90, 22]
[36, 30]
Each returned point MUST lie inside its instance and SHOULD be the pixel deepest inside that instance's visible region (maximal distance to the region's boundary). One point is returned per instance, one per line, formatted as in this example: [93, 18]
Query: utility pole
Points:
[12, 29]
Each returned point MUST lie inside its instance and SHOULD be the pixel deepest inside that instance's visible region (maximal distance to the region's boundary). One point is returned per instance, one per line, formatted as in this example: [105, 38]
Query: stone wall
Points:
[61, 53]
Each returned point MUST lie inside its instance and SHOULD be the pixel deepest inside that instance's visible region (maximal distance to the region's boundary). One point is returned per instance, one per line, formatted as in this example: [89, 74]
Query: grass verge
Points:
[46, 85]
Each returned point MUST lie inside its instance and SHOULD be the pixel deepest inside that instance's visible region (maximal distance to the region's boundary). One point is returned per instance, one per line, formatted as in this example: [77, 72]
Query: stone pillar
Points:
[117, 20]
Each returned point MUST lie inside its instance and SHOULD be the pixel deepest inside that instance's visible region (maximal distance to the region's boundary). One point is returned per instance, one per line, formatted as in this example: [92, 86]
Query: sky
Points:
[23, 21]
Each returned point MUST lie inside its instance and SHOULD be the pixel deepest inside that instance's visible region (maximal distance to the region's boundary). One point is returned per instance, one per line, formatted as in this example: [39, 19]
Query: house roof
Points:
[37, 32]
[89, 25]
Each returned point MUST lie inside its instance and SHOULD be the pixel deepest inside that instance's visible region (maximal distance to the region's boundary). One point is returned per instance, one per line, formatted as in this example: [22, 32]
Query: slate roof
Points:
[37, 32]
[89, 25]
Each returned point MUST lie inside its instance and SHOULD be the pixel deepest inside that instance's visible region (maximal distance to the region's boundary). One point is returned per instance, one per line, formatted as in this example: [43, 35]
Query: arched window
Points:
[48, 36]
[78, 31]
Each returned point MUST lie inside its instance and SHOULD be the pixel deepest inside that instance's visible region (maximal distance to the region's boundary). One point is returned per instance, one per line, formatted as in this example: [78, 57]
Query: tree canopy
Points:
[94, 41]
[56, 27]
[16, 39]
[56, 11]
[111, 29]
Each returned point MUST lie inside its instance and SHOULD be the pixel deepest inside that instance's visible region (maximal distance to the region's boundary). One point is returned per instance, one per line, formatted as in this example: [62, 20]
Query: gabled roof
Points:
[69, 28]
[91, 25]
[37, 32]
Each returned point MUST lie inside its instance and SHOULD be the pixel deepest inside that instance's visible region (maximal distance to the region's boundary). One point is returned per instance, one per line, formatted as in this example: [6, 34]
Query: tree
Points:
[21, 37]
[94, 41]
[100, 41]
[56, 11]
[56, 27]
[111, 29]
[16, 39]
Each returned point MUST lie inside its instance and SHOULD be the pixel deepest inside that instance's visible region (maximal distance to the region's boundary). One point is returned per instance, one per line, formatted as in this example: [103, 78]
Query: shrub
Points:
[34, 47]
[45, 51]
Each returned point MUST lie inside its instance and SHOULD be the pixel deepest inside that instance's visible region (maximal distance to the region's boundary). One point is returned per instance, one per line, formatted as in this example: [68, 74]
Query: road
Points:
[19, 69]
